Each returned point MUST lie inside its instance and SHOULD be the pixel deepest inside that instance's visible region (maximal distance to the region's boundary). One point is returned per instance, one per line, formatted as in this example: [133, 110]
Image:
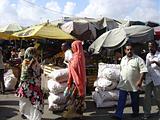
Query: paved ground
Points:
[9, 110]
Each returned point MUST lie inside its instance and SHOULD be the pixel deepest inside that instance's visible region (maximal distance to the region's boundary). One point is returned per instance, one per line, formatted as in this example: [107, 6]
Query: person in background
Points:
[14, 53]
[132, 71]
[21, 54]
[67, 52]
[118, 57]
[29, 90]
[2, 86]
[152, 81]
[76, 89]
[7, 53]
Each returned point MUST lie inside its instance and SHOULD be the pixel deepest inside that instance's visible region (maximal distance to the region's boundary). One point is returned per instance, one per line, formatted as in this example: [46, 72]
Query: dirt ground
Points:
[9, 110]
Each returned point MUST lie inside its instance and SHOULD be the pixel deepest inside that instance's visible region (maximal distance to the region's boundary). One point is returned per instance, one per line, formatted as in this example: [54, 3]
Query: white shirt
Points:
[131, 69]
[153, 69]
[67, 56]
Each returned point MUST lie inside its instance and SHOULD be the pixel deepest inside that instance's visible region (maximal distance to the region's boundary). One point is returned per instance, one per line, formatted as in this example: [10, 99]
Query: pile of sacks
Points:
[56, 86]
[106, 94]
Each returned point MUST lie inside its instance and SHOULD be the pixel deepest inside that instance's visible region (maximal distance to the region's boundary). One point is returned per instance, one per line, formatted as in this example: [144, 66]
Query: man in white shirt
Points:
[133, 69]
[152, 81]
[67, 52]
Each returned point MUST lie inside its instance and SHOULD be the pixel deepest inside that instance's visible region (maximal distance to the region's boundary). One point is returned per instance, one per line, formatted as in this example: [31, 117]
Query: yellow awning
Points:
[6, 36]
[44, 31]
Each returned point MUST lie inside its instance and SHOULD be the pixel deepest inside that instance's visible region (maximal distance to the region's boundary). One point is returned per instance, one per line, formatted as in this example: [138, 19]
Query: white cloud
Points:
[33, 1]
[144, 10]
[27, 14]
[53, 5]
[69, 8]
[7, 12]
[53, 12]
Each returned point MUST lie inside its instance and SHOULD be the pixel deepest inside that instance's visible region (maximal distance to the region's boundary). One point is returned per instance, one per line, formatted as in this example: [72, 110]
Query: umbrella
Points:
[85, 28]
[116, 38]
[80, 28]
[60, 22]
[44, 31]
[10, 28]
[105, 22]
[152, 24]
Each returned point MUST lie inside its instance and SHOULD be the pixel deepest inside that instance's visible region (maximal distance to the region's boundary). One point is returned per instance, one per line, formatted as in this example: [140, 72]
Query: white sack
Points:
[106, 95]
[109, 71]
[56, 99]
[56, 87]
[101, 67]
[111, 74]
[28, 110]
[101, 98]
[102, 82]
[107, 88]
[9, 80]
[59, 75]
[107, 104]
[55, 107]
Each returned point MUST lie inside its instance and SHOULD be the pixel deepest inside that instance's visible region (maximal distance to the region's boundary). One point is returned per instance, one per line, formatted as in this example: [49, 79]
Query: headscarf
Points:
[30, 53]
[77, 71]
[30, 64]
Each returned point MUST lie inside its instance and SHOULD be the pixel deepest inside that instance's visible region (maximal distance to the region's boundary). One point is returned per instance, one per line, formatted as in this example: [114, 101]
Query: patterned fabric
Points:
[74, 101]
[30, 84]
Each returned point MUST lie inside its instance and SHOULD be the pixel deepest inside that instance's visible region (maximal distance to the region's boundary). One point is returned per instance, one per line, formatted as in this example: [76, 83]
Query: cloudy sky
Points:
[28, 12]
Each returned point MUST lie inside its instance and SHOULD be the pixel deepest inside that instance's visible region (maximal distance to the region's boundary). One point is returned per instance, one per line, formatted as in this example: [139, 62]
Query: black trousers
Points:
[2, 86]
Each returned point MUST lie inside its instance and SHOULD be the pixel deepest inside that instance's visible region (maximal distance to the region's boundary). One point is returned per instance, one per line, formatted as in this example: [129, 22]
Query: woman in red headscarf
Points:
[76, 89]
